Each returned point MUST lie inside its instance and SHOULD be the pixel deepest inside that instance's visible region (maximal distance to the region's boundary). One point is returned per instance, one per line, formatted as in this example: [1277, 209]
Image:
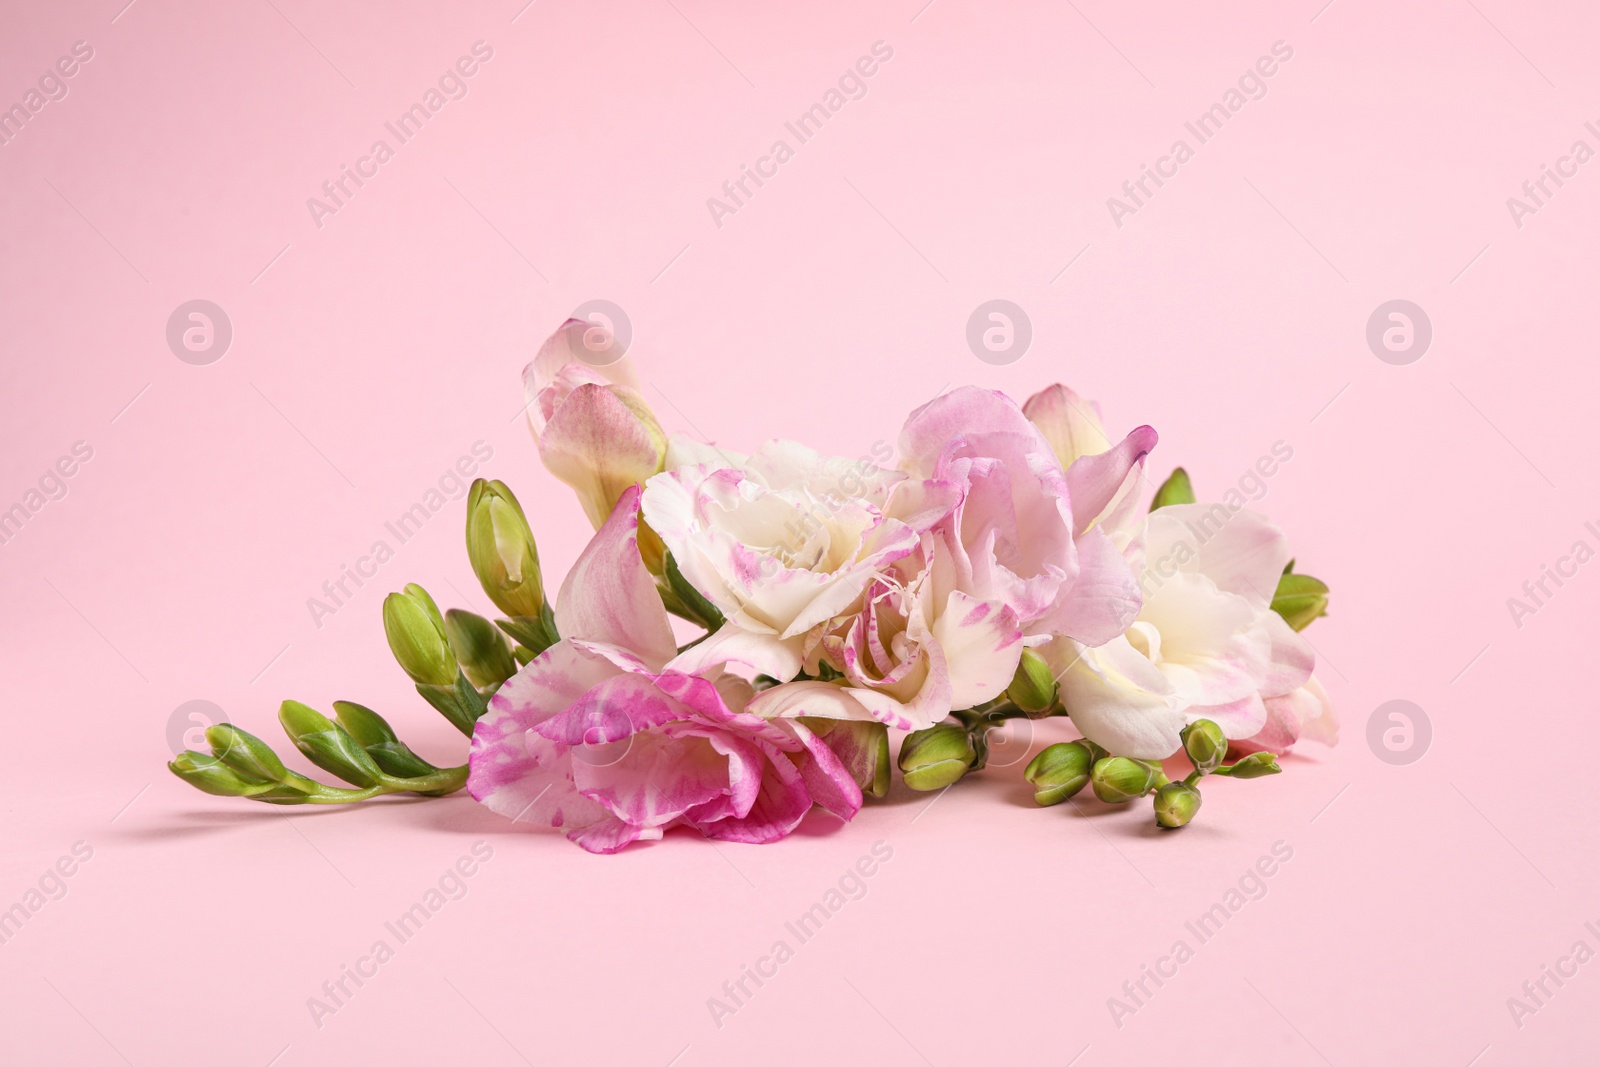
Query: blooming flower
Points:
[608, 737]
[1206, 642]
[1027, 532]
[785, 541]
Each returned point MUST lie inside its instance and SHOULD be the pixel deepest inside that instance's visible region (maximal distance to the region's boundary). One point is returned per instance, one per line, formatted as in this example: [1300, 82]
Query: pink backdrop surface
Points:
[375, 345]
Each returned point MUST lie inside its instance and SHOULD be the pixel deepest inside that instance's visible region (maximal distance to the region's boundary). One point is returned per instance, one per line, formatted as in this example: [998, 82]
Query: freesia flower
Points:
[1305, 713]
[785, 541]
[1206, 642]
[1028, 533]
[608, 736]
[594, 429]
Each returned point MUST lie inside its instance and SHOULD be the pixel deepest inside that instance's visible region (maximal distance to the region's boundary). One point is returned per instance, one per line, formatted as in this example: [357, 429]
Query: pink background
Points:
[372, 352]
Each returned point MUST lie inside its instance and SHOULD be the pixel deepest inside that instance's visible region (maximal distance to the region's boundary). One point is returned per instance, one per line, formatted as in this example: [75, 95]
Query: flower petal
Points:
[609, 597]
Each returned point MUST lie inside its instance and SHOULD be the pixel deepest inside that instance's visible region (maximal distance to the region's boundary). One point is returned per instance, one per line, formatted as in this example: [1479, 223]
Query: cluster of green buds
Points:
[1062, 770]
[940, 755]
[360, 748]
[457, 659]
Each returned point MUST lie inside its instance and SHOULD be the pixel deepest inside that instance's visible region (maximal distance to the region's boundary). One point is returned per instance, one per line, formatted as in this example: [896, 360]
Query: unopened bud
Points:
[1175, 490]
[1300, 599]
[1176, 803]
[1204, 744]
[501, 548]
[1059, 772]
[936, 757]
[1255, 765]
[245, 753]
[210, 775]
[327, 744]
[479, 648]
[1118, 779]
[417, 637]
[1033, 688]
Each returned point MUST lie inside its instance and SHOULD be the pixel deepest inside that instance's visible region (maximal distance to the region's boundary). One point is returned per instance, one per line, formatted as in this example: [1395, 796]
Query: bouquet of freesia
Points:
[1004, 562]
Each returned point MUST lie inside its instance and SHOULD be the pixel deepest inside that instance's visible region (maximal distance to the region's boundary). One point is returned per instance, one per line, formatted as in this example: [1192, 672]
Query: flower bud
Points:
[1175, 490]
[1059, 772]
[1255, 765]
[1033, 688]
[1118, 779]
[479, 648]
[936, 757]
[1300, 599]
[502, 551]
[1204, 744]
[325, 743]
[417, 638]
[245, 753]
[373, 733]
[210, 775]
[1176, 803]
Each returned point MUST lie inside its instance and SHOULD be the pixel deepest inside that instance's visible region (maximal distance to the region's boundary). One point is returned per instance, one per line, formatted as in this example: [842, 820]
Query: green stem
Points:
[445, 780]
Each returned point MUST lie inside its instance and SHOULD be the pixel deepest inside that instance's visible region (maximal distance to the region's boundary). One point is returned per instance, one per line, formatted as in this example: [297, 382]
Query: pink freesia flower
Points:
[1028, 533]
[1305, 713]
[609, 737]
[589, 417]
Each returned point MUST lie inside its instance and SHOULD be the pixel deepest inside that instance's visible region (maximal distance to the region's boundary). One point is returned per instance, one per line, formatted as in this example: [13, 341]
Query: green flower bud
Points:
[1255, 765]
[1118, 779]
[1300, 599]
[325, 743]
[417, 637]
[245, 753]
[1176, 804]
[936, 757]
[1175, 490]
[479, 648]
[1059, 772]
[373, 733]
[1204, 744]
[501, 548]
[1033, 688]
[210, 775]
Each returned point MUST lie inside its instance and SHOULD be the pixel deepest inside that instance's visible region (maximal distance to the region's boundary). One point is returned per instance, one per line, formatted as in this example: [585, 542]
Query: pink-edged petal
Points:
[981, 643]
[860, 747]
[1105, 597]
[1239, 719]
[769, 654]
[705, 698]
[518, 774]
[658, 778]
[609, 597]
[601, 440]
[570, 356]
[610, 835]
[1292, 659]
[1098, 482]
[616, 708]
[1241, 551]
[1069, 422]
[817, 700]
[1137, 715]
[828, 780]
[962, 411]
[778, 808]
